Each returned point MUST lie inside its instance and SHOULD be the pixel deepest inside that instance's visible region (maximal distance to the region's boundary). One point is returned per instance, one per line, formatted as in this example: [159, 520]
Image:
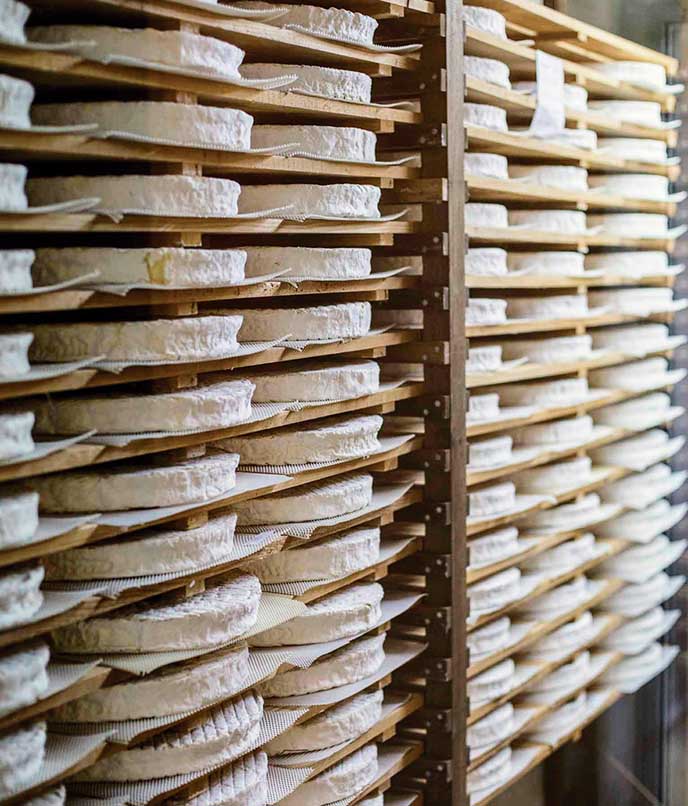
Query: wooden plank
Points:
[502, 236]
[538, 281]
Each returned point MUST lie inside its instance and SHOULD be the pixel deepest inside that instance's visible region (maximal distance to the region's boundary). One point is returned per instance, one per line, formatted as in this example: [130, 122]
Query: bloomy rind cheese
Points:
[23, 677]
[12, 179]
[330, 142]
[15, 270]
[224, 733]
[22, 750]
[243, 783]
[204, 407]
[161, 265]
[209, 619]
[134, 487]
[20, 595]
[14, 354]
[308, 261]
[152, 551]
[337, 201]
[18, 518]
[166, 693]
[15, 434]
[326, 82]
[16, 96]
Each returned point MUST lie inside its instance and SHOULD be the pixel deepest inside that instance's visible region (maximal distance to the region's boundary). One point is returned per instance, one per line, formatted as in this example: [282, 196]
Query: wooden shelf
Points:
[571, 38]
[503, 236]
[52, 70]
[538, 281]
[519, 147]
[513, 192]
[366, 346]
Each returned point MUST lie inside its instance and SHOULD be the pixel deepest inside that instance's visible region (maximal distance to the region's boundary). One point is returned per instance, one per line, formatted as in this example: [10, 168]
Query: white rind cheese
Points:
[631, 263]
[343, 780]
[641, 594]
[634, 300]
[192, 124]
[133, 487]
[347, 320]
[306, 201]
[332, 558]
[556, 478]
[491, 501]
[481, 214]
[164, 265]
[643, 113]
[567, 222]
[23, 677]
[632, 412]
[564, 392]
[334, 23]
[211, 618]
[492, 728]
[333, 441]
[563, 717]
[631, 449]
[308, 261]
[329, 499]
[633, 186]
[550, 263]
[570, 430]
[491, 452]
[14, 354]
[15, 270]
[549, 351]
[342, 723]
[167, 693]
[566, 177]
[484, 359]
[22, 751]
[638, 558]
[490, 70]
[492, 774]
[18, 518]
[20, 595]
[634, 375]
[558, 306]
[570, 674]
[356, 661]
[16, 97]
[492, 165]
[495, 591]
[636, 629]
[634, 148]
[493, 546]
[203, 54]
[12, 179]
[488, 639]
[15, 434]
[152, 551]
[627, 491]
[640, 73]
[243, 783]
[211, 739]
[52, 797]
[484, 311]
[575, 97]
[14, 16]
[563, 557]
[632, 338]
[170, 195]
[486, 261]
[203, 407]
[483, 407]
[494, 683]
[320, 381]
[326, 82]
[490, 117]
[198, 338]
[342, 614]
[330, 142]
[572, 634]
[578, 512]
[562, 598]
[485, 19]
[642, 225]
[635, 666]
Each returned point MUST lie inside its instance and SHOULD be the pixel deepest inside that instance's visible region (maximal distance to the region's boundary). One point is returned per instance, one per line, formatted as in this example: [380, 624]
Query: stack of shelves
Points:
[146, 496]
[566, 330]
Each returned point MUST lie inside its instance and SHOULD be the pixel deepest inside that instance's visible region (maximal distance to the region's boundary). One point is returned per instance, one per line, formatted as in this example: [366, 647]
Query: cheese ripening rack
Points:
[234, 506]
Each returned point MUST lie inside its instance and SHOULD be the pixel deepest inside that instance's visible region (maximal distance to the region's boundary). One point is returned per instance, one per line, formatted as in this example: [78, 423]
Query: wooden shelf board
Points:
[93, 378]
[52, 70]
[517, 327]
[515, 192]
[538, 281]
[84, 147]
[503, 236]
[83, 455]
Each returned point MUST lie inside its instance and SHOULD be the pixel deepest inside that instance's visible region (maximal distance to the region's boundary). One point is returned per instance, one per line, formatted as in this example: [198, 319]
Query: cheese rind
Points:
[633, 186]
[644, 113]
[213, 738]
[483, 311]
[481, 214]
[14, 354]
[551, 263]
[493, 546]
[15, 270]
[488, 639]
[562, 598]
[334, 23]
[18, 518]
[557, 477]
[149, 552]
[491, 117]
[572, 634]
[642, 225]
[16, 97]
[203, 407]
[243, 783]
[485, 19]
[12, 179]
[491, 728]
[493, 683]
[165, 195]
[570, 222]
[164, 266]
[330, 142]
[486, 261]
[308, 261]
[491, 452]
[192, 124]
[306, 201]
[23, 677]
[343, 780]
[549, 351]
[20, 595]
[22, 750]
[342, 723]
[640, 594]
[332, 558]
[489, 70]
[342, 614]
[172, 692]
[492, 500]
[635, 666]
[634, 300]
[566, 177]
[641, 73]
[182, 49]
[320, 381]
[347, 320]
[491, 165]
[632, 263]
[209, 619]
[575, 97]
[494, 772]
[13, 15]
[199, 338]
[495, 591]
[15, 434]
[333, 441]
[132, 487]
[567, 431]
[326, 82]
[356, 661]
[634, 148]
